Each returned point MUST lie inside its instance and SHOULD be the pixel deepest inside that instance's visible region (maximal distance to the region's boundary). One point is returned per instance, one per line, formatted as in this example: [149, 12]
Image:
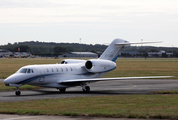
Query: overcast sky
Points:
[94, 21]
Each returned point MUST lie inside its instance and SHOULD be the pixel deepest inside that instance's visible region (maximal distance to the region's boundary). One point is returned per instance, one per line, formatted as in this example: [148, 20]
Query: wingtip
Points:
[172, 76]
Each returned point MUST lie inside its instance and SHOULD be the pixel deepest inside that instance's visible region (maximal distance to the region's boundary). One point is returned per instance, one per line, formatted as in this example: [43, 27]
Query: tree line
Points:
[52, 48]
[47, 48]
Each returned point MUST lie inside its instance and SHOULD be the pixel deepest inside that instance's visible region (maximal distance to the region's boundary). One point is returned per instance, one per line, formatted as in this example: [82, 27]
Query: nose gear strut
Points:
[18, 91]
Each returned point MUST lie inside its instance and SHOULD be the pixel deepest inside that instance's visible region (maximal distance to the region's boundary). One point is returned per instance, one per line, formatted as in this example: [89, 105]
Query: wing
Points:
[106, 79]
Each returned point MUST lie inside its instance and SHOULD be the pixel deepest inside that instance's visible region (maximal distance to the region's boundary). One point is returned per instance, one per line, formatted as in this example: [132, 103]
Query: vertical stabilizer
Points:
[112, 51]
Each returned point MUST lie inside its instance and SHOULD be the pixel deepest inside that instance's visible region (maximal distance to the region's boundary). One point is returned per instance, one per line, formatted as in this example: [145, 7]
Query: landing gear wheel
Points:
[62, 90]
[86, 89]
[17, 93]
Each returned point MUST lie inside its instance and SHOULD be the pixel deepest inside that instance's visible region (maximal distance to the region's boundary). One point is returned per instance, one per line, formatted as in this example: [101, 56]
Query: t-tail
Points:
[115, 47]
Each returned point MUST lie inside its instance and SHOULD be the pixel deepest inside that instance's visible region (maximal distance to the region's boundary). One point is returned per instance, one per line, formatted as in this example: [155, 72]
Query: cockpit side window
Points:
[29, 71]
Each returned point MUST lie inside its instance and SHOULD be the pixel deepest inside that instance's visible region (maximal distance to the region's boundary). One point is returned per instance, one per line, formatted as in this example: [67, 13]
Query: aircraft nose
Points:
[6, 82]
[9, 80]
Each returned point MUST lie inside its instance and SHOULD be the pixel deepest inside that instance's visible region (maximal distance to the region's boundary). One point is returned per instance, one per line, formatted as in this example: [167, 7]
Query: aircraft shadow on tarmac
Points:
[41, 92]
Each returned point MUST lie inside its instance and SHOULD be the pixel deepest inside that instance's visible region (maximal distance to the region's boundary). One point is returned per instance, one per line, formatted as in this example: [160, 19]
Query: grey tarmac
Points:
[121, 87]
[42, 117]
[1, 80]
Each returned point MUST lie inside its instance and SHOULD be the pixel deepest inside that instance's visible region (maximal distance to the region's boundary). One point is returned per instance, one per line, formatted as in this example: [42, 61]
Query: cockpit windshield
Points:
[25, 70]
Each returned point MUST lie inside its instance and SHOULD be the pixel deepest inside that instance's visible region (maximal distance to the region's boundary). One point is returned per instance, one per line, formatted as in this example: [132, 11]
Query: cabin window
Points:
[66, 69]
[32, 71]
[52, 70]
[56, 69]
[71, 69]
[47, 70]
[61, 69]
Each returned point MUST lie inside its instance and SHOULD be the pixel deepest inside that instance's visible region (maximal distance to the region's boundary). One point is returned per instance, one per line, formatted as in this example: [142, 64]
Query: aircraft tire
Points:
[17, 93]
[62, 90]
[87, 89]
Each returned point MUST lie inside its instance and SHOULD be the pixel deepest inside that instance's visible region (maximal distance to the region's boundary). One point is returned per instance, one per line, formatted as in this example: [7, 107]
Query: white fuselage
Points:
[49, 75]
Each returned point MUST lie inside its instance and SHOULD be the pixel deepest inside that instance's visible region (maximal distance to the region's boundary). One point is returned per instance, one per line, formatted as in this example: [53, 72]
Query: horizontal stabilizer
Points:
[127, 43]
[105, 79]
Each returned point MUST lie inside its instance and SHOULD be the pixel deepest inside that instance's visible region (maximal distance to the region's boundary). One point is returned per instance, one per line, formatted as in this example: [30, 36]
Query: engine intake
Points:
[88, 65]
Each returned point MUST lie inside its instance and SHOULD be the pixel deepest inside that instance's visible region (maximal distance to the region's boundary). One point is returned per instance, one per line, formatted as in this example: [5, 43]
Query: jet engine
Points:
[98, 65]
[72, 61]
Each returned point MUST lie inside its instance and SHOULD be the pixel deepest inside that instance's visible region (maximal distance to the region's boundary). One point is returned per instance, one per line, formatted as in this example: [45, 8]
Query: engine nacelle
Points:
[72, 61]
[98, 65]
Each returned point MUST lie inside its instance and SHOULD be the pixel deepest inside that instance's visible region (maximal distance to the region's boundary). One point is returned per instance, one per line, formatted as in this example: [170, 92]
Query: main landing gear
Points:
[62, 90]
[18, 91]
[86, 89]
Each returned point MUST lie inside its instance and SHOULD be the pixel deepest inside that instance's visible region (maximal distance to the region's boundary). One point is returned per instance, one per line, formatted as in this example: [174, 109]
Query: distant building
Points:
[159, 54]
[80, 54]
[21, 54]
[5, 53]
[129, 53]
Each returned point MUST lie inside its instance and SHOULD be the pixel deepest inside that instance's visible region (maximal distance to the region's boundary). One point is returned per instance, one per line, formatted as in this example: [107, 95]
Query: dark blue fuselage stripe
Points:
[33, 78]
[114, 60]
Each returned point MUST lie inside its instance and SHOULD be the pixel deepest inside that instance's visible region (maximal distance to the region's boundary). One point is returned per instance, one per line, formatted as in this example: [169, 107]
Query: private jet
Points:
[73, 72]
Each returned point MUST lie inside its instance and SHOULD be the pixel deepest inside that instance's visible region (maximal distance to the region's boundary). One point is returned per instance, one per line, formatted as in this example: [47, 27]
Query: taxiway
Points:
[123, 87]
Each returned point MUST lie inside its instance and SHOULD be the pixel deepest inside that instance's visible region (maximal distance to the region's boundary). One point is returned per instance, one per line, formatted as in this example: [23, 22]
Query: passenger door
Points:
[42, 75]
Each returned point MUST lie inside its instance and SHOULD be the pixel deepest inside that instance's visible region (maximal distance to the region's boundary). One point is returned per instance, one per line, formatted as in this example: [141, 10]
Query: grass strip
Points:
[125, 106]
[166, 92]
[25, 87]
[126, 67]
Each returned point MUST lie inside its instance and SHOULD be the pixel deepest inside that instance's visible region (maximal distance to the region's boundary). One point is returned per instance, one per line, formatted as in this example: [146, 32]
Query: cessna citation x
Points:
[72, 72]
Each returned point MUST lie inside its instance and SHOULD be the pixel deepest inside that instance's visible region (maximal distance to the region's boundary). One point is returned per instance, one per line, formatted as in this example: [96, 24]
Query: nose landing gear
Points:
[18, 91]
[62, 90]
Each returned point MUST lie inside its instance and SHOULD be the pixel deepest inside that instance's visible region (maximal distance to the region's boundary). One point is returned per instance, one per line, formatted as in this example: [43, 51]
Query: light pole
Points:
[172, 51]
[142, 41]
